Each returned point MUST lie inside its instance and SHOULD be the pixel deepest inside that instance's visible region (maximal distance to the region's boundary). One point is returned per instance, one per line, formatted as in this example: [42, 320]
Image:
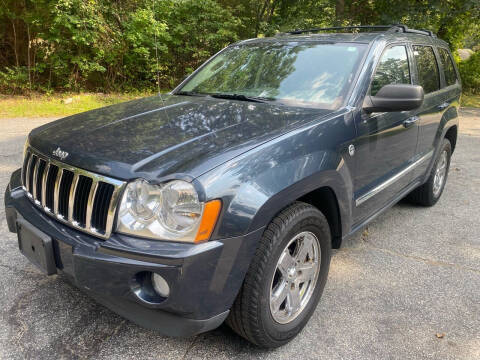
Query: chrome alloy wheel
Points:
[440, 173]
[295, 277]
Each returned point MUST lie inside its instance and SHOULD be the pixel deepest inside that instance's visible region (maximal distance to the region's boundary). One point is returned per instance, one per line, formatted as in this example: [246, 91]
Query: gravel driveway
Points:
[412, 275]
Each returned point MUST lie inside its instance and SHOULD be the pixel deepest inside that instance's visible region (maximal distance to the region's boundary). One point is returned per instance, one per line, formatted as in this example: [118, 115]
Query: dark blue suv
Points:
[223, 199]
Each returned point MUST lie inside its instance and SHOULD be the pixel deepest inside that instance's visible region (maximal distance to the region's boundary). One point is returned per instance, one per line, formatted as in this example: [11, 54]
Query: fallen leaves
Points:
[365, 234]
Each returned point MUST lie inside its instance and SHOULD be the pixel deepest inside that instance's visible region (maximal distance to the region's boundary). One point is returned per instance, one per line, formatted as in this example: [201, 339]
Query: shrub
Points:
[470, 73]
[100, 45]
[14, 80]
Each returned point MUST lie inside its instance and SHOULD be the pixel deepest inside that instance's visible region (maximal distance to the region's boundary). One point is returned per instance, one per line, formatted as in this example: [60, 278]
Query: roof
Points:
[359, 37]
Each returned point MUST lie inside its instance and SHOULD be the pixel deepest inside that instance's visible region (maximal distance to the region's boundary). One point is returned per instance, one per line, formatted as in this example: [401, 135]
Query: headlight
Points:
[168, 211]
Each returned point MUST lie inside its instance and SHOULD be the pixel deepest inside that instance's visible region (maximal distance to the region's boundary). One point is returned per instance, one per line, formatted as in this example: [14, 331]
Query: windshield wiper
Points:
[241, 97]
[190, 93]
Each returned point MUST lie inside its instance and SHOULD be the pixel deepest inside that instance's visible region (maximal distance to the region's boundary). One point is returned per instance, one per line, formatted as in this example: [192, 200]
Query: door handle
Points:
[410, 121]
[443, 106]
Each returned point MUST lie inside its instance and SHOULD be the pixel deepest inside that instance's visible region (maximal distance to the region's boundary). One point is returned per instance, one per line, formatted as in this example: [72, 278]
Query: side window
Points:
[448, 68]
[427, 67]
[392, 69]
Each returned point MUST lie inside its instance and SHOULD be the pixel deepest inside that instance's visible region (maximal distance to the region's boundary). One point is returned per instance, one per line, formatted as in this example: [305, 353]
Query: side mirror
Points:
[394, 97]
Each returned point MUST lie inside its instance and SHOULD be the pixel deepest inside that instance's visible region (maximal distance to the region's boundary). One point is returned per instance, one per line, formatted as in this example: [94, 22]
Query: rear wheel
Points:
[429, 193]
[285, 279]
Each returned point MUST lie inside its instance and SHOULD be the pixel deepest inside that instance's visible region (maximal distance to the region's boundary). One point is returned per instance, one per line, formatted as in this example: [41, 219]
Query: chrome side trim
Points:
[68, 218]
[393, 179]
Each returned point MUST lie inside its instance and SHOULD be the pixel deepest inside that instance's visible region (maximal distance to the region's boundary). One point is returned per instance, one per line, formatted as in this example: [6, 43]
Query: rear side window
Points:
[427, 67]
[448, 68]
[392, 69]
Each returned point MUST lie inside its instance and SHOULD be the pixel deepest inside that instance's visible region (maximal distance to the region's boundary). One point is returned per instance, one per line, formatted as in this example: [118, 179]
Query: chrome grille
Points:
[84, 200]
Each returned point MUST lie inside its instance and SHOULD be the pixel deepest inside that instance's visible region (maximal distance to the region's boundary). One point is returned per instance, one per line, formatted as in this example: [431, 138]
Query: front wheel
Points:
[429, 193]
[286, 277]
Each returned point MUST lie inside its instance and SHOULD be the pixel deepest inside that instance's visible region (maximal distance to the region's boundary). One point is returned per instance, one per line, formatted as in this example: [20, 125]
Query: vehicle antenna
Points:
[158, 64]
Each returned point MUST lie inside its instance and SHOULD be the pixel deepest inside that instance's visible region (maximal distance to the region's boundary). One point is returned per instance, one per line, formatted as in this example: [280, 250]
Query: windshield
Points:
[303, 74]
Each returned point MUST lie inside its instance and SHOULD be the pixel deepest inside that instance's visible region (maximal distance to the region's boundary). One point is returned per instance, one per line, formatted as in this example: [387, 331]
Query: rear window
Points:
[448, 68]
[427, 68]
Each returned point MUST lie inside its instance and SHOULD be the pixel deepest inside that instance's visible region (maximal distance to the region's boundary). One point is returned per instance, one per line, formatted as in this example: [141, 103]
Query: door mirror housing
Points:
[394, 97]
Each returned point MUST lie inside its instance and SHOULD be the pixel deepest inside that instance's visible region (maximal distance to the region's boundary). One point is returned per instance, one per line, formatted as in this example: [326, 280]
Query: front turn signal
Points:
[209, 220]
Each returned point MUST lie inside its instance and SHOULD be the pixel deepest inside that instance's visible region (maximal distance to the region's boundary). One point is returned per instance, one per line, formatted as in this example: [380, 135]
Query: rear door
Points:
[427, 74]
[386, 141]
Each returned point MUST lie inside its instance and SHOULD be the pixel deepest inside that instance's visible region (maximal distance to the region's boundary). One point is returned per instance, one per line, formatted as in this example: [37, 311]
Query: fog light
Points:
[160, 285]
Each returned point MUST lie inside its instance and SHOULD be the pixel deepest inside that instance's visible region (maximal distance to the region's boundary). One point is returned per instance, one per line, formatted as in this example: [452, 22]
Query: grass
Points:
[471, 100]
[69, 104]
[58, 105]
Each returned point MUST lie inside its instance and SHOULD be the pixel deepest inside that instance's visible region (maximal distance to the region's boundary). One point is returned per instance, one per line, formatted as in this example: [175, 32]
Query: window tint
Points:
[447, 64]
[427, 67]
[392, 69]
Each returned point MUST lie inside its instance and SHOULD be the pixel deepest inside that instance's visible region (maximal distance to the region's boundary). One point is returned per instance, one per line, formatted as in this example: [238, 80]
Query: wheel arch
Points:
[325, 200]
[451, 135]
[329, 195]
[449, 127]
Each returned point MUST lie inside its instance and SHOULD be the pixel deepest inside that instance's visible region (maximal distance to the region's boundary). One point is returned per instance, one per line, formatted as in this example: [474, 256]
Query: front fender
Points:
[338, 181]
[257, 185]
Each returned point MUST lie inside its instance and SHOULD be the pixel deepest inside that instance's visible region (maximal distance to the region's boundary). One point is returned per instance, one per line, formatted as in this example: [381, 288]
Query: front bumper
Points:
[204, 279]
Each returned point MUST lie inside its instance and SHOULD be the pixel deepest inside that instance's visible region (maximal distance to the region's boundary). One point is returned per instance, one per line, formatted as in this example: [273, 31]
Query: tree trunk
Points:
[28, 58]
[260, 15]
[339, 12]
[15, 43]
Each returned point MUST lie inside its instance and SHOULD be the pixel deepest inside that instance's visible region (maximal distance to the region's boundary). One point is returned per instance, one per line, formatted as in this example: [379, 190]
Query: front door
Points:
[386, 142]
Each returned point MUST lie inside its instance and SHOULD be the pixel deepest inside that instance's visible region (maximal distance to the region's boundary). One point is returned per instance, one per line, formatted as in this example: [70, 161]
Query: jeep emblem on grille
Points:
[60, 153]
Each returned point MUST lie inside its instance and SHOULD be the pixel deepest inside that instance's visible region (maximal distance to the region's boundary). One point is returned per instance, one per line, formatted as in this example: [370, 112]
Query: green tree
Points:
[104, 45]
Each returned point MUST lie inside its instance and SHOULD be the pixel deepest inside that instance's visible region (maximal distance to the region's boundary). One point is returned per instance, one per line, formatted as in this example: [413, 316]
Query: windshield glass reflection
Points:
[318, 74]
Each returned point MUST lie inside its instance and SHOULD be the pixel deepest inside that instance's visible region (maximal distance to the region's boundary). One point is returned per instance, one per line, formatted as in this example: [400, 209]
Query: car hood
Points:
[176, 136]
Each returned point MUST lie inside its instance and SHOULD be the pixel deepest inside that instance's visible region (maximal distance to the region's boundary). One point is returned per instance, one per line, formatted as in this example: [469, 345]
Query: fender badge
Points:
[351, 150]
[60, 153]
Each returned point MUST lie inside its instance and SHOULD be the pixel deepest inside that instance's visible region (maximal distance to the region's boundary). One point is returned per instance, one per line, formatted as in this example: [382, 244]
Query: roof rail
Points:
[406, 29]
[386, 28]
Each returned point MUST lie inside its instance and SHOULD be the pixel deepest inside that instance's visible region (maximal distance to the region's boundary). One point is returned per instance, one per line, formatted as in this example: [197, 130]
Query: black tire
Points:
[250, 315]
[424, 195]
